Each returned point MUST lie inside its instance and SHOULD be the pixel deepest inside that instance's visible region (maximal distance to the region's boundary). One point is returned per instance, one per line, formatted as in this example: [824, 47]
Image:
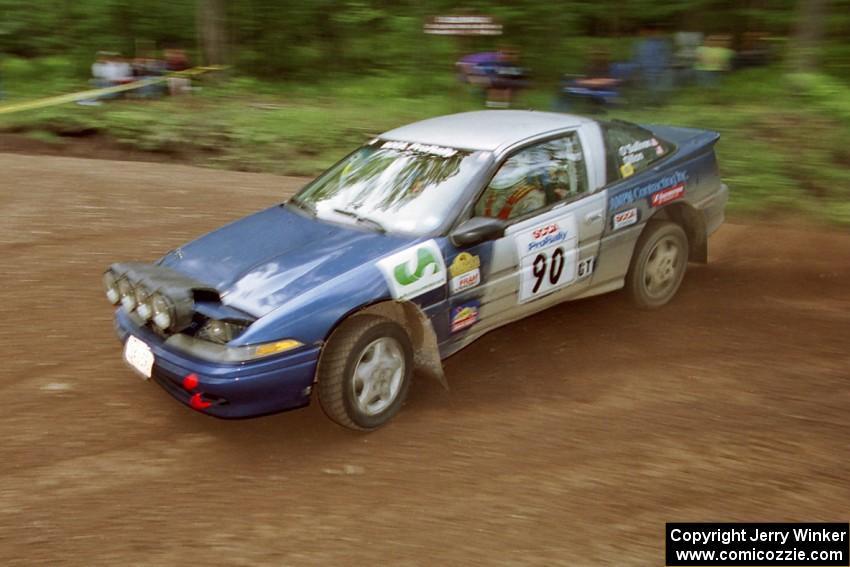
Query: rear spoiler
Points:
[687, 139]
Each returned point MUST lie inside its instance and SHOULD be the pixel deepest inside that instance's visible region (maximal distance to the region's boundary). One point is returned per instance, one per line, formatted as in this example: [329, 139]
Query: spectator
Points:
[685, 56]
[147, 68]
[506, 77]
[652, 58]
[714, 58]
[177, 60]
[599, 85]
[105, 73]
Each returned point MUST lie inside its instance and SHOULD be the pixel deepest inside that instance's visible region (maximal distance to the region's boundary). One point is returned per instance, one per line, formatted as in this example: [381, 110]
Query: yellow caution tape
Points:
[94, 93]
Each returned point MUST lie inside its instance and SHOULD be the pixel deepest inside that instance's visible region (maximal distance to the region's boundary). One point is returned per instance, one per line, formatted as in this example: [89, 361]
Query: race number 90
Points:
[545, 267]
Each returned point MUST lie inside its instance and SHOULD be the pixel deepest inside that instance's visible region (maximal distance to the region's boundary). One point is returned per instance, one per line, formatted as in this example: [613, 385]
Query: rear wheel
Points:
[365, 372]
[658, 265]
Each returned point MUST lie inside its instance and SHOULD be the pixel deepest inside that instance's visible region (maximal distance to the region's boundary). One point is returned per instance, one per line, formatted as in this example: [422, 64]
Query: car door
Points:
[546, 193]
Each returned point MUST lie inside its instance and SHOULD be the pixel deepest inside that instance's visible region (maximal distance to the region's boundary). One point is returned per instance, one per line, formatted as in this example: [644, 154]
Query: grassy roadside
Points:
[784, 147]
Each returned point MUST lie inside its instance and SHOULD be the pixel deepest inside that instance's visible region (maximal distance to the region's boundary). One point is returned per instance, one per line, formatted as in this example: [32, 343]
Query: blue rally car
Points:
[409, 249]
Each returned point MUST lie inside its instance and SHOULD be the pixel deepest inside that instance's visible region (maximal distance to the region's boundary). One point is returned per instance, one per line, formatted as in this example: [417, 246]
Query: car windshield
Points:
[394, 186]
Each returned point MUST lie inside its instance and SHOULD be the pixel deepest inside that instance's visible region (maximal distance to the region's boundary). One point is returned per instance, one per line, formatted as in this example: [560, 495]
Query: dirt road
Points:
[568, 438]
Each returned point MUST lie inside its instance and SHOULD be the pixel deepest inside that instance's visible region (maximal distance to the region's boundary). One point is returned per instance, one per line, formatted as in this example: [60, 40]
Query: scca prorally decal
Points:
[643, 191]
[625, 218]
[414, 271]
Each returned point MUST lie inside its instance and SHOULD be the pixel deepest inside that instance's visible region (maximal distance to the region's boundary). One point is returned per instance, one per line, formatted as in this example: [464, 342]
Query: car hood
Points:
[260, 262]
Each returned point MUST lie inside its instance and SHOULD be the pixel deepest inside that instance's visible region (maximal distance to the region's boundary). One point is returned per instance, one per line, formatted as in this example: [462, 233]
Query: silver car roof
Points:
[488, 130]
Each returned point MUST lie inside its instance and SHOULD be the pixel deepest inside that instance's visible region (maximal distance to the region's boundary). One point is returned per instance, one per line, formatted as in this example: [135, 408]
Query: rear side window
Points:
[631, 149]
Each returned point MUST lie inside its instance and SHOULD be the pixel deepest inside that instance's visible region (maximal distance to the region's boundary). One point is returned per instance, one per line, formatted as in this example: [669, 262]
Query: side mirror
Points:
[476, 230]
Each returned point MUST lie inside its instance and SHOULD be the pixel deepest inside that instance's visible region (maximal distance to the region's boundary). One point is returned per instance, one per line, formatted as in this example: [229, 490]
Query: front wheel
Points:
[658, 265]
[365, 372]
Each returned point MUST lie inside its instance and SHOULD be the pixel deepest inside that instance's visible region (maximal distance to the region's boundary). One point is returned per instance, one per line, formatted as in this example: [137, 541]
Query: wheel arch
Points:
[692, 222]
[418, 327]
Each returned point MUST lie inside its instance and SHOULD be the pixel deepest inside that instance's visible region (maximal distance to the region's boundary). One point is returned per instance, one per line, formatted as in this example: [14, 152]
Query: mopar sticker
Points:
[414, 271]
[625, 218]
[547, 256]
[465, 272]
[464, 316]
[672, 181]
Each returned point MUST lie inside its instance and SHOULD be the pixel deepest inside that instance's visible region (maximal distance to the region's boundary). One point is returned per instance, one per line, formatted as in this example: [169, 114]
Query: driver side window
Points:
[535, 177]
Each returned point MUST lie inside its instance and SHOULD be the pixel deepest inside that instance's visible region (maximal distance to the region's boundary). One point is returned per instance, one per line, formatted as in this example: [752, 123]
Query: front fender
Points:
[311, 316]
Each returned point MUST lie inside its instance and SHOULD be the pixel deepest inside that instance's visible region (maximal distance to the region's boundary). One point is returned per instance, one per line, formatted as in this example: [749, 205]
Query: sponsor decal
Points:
[548, 254]
[464, 316]
[627, 170]
[644, 191]
[414, 271]
[625, 218]
[666, 195]
[465, 272]
[586, 267]
[419, 148]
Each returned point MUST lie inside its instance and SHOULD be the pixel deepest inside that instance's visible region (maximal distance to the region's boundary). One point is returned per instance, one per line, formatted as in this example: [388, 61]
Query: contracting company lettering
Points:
[643, 191]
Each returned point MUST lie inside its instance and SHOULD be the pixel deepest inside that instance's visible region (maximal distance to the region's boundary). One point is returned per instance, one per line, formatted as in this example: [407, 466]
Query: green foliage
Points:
[786, 156]
[295, 40]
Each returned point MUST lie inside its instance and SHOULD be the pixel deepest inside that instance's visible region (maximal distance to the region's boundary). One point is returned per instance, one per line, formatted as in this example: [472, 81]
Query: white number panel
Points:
[548, 256]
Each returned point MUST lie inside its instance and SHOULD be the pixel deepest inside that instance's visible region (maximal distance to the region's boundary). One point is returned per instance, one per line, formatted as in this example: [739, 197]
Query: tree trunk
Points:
[211, 31]
[811, 17]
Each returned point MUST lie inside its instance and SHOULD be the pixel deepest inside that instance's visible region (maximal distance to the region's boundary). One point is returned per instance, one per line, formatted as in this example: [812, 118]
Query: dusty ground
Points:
[568, 438]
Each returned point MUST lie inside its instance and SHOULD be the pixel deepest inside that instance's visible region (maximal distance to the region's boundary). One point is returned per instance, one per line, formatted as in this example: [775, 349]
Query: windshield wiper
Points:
[305, 206]
[361, 219]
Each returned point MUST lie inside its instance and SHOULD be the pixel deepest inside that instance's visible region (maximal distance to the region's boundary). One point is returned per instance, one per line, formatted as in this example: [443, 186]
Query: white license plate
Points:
[139, 356]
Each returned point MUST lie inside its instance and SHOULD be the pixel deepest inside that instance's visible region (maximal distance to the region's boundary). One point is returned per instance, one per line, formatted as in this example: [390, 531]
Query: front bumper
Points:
[248, 389]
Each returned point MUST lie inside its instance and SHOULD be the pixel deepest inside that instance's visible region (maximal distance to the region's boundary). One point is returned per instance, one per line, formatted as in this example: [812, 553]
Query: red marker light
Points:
[198, 403]
[190, 382]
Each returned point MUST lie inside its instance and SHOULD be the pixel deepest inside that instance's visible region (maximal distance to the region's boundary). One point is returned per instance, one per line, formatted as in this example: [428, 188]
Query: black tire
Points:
[341, 393]
[658, 265]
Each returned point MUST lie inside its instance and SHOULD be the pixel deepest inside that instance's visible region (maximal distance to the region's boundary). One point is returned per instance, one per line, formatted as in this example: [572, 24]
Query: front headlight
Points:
[110, 285]
[127, 293]
[143, 304]
[222, 353]
[162, 311]
[221, 332]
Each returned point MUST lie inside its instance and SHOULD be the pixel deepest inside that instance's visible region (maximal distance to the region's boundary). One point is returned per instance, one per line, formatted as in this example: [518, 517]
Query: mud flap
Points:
[427, 358]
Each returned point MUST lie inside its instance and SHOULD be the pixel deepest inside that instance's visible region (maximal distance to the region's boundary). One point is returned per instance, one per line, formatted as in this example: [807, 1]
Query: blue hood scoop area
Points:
[263, 260]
